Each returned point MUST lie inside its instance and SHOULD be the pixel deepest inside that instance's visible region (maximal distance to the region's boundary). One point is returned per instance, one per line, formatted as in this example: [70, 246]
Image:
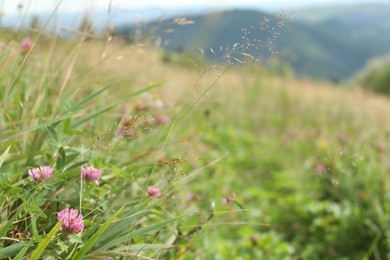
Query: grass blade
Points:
[90, 97]
[45, 242]
[12, 250]
[120, 227]
[21, 253]
[91, 241]
[104, 109]
[39, 126]
[4, 155]
[139, 232]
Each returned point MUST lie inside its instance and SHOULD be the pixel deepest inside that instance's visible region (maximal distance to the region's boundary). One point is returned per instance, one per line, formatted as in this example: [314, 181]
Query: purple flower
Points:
[90, 173]
[320, 168]
[26, 44]
[163, 120]
[225, 201]
[72, 221]
[154, 191]
[381, 147]
[40, 173]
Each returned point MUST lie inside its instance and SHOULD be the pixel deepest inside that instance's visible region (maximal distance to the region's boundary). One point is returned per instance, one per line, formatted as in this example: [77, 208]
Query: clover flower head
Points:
[91, 173]
[381, 147]
[41, 173]
[154, 191]
[26, 44]
[72, 221]
[320, 168]
[163, 120]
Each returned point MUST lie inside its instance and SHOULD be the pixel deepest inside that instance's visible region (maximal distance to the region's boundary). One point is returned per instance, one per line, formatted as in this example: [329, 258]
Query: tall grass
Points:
[52, 113]
[252, 165]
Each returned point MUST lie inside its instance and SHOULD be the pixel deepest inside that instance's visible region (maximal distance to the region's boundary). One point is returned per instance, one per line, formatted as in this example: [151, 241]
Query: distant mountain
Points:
[321, 43]
[367, 24]
[100, 18]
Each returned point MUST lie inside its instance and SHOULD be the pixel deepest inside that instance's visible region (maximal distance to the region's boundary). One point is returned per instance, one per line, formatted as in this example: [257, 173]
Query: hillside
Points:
[366, 24]
[334, 47]
[246, 163]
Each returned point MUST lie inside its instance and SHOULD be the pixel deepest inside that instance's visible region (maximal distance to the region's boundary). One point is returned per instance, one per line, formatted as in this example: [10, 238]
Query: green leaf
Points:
[73, 166]
[11, 251]
[61, 160]
[34, 228]
[37, 210]
[67, 127]
[52, 133]
[238, 204]
[45, 242]
[4, 155]
[11, 190]
[76, 238]
[91, 241]
[22, 252]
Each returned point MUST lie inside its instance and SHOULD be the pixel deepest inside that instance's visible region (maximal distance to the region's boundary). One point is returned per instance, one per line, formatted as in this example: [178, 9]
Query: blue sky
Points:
[36, 6]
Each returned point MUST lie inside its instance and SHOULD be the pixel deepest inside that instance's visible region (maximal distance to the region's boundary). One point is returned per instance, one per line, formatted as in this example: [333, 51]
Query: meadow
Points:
[167, 158]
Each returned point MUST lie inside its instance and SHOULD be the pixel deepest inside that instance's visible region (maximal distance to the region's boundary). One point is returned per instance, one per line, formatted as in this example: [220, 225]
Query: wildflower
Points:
[381, 147]
[26, 44]
[163, 120]
[228, 199]
[127, 127]
[41, 173]
[141, 107]
[154, 191]
[126, 132]
[72, 221]
[90, 173]
[320, 168]
[225, 201]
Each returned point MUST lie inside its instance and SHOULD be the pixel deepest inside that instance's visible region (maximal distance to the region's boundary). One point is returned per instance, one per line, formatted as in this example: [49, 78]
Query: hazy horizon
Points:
[123, 12]
[30, 7]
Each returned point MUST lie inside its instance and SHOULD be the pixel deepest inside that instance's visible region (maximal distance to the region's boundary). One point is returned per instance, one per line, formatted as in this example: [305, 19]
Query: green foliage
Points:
[45, 242]
[376, 76]
[46, 119]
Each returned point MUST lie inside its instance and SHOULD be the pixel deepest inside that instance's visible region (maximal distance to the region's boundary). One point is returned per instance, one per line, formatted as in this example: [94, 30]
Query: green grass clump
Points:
[51, 115]
[376, 76]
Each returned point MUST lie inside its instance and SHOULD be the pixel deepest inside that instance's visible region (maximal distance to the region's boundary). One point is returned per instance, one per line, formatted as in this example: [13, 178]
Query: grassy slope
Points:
[270, 133]
[258, 138]
[334, 47]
